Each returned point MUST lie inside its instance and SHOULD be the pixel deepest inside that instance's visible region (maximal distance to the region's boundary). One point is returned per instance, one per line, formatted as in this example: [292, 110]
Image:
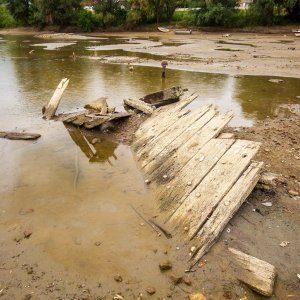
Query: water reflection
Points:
[94, 148]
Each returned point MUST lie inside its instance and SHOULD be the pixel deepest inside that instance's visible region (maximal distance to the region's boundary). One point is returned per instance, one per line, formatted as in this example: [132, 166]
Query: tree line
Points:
[128, 14]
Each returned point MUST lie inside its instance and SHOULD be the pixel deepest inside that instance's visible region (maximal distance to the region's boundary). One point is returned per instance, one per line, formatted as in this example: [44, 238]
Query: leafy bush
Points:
[133, 18]
[86, 20]
[6, 19]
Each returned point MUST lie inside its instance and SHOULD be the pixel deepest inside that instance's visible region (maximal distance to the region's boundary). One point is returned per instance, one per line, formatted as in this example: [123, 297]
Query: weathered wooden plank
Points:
[192, 173]
[51, 107]
[155, 146]
[187, 151]
[11, 135]
[68, 118]
[98, 105]
[256, 273]
[140, 105]
[226, 135]
[162, 113]
[202, 201]
[177, 142]
[95, 121]
[228, 206]
[80, 120]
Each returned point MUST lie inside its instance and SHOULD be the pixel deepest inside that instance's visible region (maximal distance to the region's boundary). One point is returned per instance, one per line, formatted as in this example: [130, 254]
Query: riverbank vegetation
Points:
[129, 14]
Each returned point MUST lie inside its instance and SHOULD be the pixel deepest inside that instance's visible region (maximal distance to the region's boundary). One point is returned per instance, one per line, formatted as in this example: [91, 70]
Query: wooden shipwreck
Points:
[202, 179]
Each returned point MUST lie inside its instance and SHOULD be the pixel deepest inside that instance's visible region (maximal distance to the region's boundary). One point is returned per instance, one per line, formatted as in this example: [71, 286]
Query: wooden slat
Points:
[187, 151]
[140, 105]
[256, 273]
[153, 148]
[177, 142]
[192, 174]
[199, 205]
[161, 119]
[228, 206]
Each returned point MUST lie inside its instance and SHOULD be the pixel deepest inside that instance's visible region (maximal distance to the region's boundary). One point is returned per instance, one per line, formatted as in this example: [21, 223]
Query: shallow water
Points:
[81, 193]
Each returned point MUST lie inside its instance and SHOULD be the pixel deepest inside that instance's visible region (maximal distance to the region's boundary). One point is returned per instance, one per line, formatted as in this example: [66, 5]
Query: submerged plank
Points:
[177, 142]
[51, 107]
[19, 135]
[192, 174]
[256, 273]
[228, 206]
[200, 204]
[153, 148]
[187, 151]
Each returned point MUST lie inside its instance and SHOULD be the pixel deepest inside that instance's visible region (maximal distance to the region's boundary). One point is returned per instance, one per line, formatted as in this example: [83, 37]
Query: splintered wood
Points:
[202, 179]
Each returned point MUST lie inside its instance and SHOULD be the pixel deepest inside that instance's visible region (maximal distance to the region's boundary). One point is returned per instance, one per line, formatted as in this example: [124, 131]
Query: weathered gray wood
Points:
[19, 135]
[51, 107]
[227, 207]
[187, 151]
[150, 166]
[256, 273]
[163, 97]
[152, 128]
[192, 173]
[140, 105]
[226, 135]
[98, 105]
[153, 148]
[197, 207]
[70, 117]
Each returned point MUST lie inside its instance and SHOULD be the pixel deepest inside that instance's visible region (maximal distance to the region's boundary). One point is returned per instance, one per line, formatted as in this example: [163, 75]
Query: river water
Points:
[81, 201]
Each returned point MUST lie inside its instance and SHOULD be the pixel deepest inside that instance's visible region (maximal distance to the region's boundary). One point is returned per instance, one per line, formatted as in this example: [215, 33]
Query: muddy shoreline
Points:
[212, 52]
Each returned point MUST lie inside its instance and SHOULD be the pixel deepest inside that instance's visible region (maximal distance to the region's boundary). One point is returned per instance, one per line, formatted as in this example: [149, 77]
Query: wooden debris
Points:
[269, 178]
[19, 135]
[201, 180]
[51, 107]
[163, 97]
[140, 105]
[226, 135]
[99, 105]
[256, 273]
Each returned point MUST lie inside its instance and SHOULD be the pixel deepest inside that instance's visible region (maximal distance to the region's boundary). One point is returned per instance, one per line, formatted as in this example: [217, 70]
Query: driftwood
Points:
[99, 105]
[256, 273]
[19, 135]
[163, 97]
[140, 105]
[90, 118]
[51, 107]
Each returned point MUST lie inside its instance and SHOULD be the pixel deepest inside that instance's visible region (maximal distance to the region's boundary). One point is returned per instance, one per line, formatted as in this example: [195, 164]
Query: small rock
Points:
[147, 181]
[27, 234]
[175, 279]
[187, 280]
[268, 204]
[151, 290]
[97, 243]
[118, 278]
[165, 176]
[189, 183]
[165, 265]
[284, 244]
[267, 150]
[94, 141]
[275, 80]
[294, 193]
[197, 296]
[26, 211]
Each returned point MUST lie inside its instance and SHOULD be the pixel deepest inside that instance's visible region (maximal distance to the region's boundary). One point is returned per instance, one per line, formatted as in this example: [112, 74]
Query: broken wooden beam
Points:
[51, 107]
[163, 97]
[19, 135]
[140, 105]
[257, 274]
[98, 105]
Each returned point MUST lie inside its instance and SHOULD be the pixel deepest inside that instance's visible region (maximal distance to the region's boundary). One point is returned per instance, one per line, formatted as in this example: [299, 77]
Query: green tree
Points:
[19, 9]
[215, 12]
[6, 19]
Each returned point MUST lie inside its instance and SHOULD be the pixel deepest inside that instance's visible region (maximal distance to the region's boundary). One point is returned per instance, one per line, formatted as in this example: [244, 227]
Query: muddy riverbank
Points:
[238, 53]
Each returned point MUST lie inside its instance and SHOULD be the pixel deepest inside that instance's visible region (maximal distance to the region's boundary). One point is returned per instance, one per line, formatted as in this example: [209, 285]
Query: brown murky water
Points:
[81, 195]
